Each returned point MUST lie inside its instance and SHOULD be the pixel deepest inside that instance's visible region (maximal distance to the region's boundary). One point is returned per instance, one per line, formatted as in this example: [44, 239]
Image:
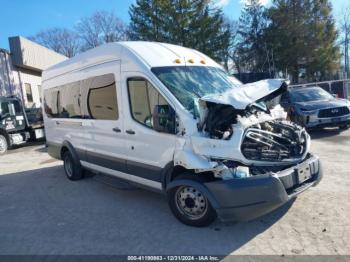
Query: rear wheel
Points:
[190, 205]
[3, 144]
[72, 166]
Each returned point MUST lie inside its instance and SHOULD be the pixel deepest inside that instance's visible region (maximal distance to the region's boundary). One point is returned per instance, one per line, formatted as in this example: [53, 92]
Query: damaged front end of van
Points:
[259, 160]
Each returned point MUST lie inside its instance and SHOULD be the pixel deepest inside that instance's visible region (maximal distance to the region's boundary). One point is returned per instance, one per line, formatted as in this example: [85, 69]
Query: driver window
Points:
[143, 99]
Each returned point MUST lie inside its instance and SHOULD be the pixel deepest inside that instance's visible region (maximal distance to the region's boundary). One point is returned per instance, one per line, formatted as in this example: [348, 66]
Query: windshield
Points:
[187, 83]
[308, 95]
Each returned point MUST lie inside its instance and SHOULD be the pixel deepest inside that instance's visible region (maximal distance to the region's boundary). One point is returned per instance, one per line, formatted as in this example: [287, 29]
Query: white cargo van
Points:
[170, 119]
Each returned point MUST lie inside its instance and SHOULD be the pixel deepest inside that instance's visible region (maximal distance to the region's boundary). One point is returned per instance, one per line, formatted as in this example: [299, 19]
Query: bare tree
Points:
[60, 40]
[345, 35]
[101, 27]
[233, 63]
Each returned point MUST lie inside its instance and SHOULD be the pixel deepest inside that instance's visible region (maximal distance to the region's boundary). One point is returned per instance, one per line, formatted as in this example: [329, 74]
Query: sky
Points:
[27, 17]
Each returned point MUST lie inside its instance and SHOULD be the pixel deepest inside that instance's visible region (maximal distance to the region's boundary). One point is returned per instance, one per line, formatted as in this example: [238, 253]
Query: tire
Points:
[189, 205]
[3, 145]
[72, 166]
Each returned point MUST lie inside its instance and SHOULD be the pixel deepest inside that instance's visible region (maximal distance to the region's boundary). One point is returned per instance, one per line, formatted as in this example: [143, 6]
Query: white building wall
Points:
[27, 54]
[35, 83]
[24, 65]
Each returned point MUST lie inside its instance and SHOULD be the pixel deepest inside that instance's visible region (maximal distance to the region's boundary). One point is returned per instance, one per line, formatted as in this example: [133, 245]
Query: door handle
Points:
[116, 129]
[130, 132]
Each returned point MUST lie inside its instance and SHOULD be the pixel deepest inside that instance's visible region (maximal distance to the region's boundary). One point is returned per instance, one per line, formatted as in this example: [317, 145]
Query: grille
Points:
[333, 112]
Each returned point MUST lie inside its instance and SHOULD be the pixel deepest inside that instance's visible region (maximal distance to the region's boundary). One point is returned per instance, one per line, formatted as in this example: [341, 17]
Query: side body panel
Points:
[105, 139]
[148, 151]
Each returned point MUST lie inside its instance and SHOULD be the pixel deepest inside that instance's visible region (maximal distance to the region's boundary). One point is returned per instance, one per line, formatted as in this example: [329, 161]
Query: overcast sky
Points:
[27, 17]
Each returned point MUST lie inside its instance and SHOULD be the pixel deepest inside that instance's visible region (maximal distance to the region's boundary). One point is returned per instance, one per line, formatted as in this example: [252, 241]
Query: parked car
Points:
[18, 125]
[313, 107]
[170, 119]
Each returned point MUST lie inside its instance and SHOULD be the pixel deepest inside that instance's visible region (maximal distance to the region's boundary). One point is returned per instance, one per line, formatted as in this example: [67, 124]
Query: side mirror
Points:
[164, 119]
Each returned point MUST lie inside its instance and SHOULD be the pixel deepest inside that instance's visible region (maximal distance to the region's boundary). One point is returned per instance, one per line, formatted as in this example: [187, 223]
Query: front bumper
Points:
[328, 122]
[247, 199]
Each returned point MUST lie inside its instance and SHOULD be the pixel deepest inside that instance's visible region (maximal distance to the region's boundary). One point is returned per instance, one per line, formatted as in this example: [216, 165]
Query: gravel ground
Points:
[41, 212]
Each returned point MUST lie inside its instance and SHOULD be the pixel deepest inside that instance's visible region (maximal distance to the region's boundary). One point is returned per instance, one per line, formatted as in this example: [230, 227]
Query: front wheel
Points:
[3, 145]
[191, 206]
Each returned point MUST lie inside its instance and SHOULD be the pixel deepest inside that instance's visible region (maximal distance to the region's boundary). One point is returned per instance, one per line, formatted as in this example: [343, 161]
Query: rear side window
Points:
[69, 101]
[92, 98]
[51, 103]
[100, 98]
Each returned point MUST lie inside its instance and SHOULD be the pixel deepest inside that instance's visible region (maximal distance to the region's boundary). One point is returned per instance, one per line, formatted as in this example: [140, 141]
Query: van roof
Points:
[152, 54]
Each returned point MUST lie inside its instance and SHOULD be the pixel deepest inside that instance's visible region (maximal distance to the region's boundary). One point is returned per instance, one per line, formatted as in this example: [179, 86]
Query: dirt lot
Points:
[41, 212]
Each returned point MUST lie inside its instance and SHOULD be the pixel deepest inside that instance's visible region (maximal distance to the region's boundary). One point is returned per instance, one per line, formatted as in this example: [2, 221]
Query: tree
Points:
[190, 23]
[251, 53]
[303, 36]
[102, 27]
[60, 40]
[344, 27]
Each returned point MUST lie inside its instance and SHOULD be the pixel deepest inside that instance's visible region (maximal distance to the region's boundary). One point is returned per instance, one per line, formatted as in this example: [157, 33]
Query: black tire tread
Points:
[7, 144]
[77, 168]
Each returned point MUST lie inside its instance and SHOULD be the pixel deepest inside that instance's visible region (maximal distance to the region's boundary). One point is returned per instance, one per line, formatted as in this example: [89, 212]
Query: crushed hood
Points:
[243, 96]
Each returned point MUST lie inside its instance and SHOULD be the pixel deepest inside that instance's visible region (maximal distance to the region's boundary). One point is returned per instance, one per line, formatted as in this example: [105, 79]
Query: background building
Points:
[21, 69]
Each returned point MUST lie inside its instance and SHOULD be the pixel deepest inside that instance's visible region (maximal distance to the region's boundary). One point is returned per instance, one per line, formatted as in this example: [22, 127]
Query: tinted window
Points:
[69, 101]
[13, 108]
[5, 108]
[310, 94]
[51, 102]
[17, 106]
[100, 98]
[93, 98]
[28, 88]
[143, 99]
[39, 90]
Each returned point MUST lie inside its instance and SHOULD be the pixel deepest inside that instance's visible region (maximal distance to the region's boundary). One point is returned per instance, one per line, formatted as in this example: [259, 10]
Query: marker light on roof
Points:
[203, 62]
[191, 61]
[178, 61]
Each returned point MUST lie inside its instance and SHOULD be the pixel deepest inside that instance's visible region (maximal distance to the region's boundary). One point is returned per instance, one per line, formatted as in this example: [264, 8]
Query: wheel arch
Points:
[199, 186]
[67, 146]
[170, 172]
[169, 181]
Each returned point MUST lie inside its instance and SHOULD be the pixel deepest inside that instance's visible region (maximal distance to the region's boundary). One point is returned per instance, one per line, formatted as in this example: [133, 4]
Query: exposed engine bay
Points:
[259, 138]
[243, 132]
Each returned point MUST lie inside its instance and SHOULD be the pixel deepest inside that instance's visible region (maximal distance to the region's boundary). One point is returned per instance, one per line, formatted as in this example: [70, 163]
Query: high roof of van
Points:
[151, 54]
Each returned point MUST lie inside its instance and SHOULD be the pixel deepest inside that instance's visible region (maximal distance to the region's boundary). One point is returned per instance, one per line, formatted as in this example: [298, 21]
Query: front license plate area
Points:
[39, 133]
[336, 119]
[303, 173]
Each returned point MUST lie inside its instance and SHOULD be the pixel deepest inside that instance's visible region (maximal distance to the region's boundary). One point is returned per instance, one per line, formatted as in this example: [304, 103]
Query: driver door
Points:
[148, 151]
